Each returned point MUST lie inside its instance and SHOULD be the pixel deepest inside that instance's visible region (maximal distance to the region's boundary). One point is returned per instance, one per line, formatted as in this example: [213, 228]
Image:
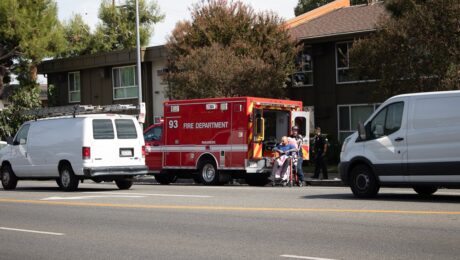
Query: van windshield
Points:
[125, 129]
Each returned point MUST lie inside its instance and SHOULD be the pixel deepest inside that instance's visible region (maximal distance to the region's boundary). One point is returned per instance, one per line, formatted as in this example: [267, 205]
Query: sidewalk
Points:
[333, 179]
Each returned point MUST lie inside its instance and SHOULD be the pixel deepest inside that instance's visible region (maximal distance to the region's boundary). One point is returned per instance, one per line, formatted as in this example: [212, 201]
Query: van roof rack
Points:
[81, 110]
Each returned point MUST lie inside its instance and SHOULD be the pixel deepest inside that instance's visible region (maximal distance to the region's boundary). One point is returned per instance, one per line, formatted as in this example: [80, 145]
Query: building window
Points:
[125, 83]
[344, 71]
[74, 86]
[303, 76]
[350, 115]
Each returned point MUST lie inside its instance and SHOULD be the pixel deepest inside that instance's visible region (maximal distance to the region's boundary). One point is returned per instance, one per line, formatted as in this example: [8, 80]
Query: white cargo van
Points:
[411, 140]
[101, 147]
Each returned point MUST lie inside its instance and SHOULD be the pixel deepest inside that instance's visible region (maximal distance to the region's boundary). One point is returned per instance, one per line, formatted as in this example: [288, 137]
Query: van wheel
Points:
[363, 183]
[67, 178]
[208, 173]
[124, 184]
[425, 190]
[9, 179]
[165, 178]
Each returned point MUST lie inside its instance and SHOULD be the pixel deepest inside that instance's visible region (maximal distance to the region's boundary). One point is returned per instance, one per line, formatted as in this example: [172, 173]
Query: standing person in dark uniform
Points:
[298, 138]
[320, 144]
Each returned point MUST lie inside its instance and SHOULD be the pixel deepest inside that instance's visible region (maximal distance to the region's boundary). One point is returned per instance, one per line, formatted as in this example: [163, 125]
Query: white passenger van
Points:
[101, 147]
[411, 140]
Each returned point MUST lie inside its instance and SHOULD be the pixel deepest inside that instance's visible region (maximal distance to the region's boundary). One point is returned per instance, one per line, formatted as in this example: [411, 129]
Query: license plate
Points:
[126, 152]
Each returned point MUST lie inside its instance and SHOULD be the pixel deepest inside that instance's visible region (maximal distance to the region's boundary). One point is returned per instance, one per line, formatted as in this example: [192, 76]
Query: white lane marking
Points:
[152, 194]
[91, 197]
[305, 257]
[32, 231]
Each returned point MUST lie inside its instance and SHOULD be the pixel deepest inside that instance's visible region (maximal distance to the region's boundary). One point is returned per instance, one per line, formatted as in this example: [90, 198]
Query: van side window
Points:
[125, 129]
[21, 137]
[103, 129]
[386, 122]
[153, 134]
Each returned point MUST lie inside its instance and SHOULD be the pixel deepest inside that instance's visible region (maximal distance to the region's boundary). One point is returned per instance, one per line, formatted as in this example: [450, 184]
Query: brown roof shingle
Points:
[348, 20]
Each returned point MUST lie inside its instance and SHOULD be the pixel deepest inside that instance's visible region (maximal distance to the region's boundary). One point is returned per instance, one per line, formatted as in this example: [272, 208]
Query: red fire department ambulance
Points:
[216, 139]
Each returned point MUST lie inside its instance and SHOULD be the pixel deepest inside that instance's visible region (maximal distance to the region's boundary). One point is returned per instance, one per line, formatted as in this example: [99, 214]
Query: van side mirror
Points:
[362, 131]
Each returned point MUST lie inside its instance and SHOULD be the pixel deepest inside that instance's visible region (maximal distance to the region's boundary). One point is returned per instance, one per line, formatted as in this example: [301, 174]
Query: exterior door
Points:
[386, 145]
[302, 120]
[19, 153]
[153, 142]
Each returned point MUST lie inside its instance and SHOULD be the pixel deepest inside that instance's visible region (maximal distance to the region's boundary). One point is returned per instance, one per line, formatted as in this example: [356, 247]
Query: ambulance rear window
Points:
[125, 129]
[103, 129]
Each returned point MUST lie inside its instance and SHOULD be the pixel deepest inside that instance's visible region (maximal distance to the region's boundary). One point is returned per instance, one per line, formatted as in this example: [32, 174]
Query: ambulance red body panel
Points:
[216, 139]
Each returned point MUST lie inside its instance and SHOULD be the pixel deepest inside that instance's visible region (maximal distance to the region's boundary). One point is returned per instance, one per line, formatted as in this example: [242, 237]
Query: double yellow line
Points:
[227, 208]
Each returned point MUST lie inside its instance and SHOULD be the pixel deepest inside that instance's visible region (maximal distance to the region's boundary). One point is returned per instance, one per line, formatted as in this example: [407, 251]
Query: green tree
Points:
[117, 29]
[416, 49]
[304, 6]
[29, 32]
[78, 37]
[229, 50]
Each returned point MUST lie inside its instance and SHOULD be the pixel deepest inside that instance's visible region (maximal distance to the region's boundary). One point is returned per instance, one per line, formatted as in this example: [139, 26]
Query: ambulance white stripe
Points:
[197, 148]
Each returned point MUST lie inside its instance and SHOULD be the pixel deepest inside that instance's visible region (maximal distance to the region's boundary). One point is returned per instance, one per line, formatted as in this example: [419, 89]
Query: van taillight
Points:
[143, 151]
[86, 153]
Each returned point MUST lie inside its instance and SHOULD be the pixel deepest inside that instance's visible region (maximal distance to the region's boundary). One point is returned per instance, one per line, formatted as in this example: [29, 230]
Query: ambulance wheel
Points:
[208, 173]
[363, 183]
[124, 184]
[9, 179]
[425, 190]
[67, 178]
[165, 178]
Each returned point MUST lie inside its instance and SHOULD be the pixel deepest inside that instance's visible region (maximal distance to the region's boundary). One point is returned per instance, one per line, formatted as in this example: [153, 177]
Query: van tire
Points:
[208, 173]
[67, 178]
[124, 184]
[9, 179]
[425, 190]
[165, 178]
[363, 182]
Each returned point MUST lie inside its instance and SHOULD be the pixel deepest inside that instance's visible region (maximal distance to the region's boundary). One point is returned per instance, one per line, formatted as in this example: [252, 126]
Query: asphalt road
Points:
[37, 221]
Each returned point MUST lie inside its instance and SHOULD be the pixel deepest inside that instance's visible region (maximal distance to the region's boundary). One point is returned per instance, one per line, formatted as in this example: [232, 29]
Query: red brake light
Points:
[86, 153]
[143, 151]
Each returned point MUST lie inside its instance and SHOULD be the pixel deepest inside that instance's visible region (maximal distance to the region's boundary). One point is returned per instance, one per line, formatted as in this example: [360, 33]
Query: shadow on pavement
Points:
[57, 189]
[441, 198]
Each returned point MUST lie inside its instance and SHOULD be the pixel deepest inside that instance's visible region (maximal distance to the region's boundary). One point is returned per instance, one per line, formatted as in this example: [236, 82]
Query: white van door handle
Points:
[399, 139]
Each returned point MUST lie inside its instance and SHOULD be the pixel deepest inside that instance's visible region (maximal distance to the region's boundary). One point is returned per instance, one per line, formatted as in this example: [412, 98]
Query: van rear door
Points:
[115, 142]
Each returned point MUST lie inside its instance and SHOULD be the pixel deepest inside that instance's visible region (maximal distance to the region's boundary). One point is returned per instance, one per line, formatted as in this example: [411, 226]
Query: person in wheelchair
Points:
[282, 162]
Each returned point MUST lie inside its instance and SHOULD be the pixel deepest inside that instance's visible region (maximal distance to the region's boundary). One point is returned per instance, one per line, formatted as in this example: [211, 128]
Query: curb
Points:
[309, 182]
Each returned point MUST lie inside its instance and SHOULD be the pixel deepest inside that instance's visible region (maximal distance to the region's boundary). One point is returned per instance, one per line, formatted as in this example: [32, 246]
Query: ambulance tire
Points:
[208, 173]
[165, 178]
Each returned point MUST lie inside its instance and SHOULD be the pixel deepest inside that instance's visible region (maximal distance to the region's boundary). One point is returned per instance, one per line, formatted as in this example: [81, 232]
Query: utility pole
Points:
[139, 76]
